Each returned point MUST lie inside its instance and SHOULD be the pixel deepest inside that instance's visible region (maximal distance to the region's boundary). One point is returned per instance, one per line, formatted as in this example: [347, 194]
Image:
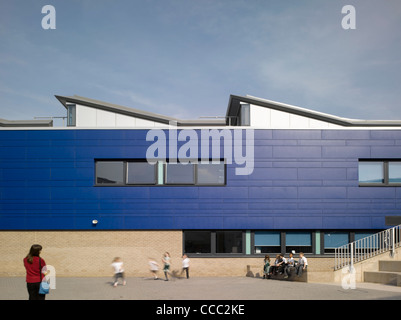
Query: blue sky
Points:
[184, 58]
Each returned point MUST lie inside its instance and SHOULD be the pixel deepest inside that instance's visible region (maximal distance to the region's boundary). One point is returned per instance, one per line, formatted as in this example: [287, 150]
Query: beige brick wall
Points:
[90, 253]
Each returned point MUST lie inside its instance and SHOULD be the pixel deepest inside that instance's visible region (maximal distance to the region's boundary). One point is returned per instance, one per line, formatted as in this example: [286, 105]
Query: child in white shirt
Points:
[118, 271]
[154, 267]
[185, 265]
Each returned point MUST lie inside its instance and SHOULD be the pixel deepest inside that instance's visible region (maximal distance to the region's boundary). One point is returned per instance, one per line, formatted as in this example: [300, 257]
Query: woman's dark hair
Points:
[33, 252]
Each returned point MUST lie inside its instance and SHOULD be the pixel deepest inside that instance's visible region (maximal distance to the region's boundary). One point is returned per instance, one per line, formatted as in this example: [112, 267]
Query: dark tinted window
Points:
[179, 173]
[210, 173]
[228, 241]
[109, 172]
[197, 241]
[141, 173]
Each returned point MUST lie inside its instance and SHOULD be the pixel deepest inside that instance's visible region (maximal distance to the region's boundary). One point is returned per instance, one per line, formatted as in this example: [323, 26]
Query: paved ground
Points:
[227, 288]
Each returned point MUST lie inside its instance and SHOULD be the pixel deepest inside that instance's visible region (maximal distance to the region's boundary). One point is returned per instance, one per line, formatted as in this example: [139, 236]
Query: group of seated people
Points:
[284, 265]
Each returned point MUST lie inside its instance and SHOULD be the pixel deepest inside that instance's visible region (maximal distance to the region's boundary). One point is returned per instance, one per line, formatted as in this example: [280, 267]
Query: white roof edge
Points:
[289, 106]
[323, 116]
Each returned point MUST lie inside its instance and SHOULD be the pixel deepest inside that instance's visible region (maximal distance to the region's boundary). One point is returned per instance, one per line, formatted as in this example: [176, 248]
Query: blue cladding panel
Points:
[302, 179]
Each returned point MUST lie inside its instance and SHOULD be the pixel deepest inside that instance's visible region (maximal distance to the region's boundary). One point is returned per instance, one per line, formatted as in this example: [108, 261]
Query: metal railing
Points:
[365, 248]
[229, 118]
[51, 118]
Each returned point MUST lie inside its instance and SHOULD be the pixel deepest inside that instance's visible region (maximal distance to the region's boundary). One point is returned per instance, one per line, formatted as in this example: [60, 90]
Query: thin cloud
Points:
[183, 59]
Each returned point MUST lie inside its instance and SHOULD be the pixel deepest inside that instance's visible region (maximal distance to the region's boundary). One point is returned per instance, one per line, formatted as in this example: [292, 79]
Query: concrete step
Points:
[383, 277]
[390, 265]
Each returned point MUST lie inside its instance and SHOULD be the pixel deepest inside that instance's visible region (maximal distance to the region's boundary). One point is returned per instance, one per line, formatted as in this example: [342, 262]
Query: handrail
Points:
[368, 247]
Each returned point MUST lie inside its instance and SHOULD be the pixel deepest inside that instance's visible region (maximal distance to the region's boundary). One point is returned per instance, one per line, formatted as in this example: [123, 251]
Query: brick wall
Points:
[90, 253]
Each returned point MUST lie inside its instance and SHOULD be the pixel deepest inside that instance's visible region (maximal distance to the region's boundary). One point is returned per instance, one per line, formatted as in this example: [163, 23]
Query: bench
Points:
[256, 272]
[291, 276]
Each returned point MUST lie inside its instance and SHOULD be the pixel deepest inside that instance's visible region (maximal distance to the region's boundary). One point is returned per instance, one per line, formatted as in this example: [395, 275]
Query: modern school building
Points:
[266, 178]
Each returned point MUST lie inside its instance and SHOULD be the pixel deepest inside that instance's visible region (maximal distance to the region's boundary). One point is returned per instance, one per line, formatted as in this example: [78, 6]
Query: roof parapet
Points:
[135, 112]
[233, 110]
[26, 123]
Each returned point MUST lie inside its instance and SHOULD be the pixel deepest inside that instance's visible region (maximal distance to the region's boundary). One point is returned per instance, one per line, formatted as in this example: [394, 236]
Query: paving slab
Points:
[197, 288]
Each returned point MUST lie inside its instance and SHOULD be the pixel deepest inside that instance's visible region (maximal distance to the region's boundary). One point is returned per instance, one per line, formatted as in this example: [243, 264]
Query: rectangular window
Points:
[195, 173]
[110, 172]
[335, 239]
[214, 243]
[364, 241]
[229, 241]
[133, 172]
[210, 173]
[71, 115]
[379, 173]
[299, 241]
[267, 241]
[141, 173]
[245, 115]
[197, 242]
[363, 234]
[371, 172]
[177, 173]
[394, 172]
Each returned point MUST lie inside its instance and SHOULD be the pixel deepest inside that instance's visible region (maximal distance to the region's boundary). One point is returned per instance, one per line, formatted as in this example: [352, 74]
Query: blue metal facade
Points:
[303, 179]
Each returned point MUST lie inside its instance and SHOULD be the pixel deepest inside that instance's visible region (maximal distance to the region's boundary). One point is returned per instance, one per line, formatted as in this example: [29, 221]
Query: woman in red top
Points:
[34, 272]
